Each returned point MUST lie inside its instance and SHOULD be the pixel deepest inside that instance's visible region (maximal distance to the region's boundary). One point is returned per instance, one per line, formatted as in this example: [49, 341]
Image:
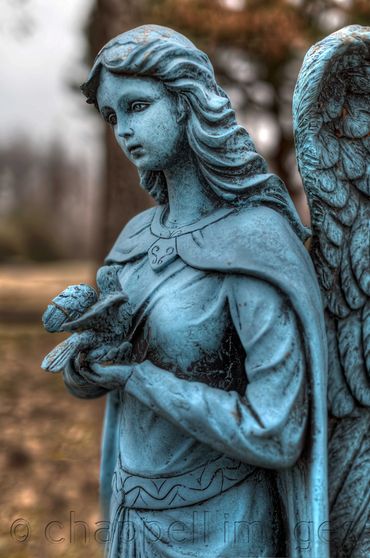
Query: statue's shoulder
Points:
[134, 239]
[252, 223]
[251, 240]
[137, 224]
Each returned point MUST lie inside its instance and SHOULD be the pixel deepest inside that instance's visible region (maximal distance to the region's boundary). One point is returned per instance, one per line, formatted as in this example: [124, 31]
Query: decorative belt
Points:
[197, 485]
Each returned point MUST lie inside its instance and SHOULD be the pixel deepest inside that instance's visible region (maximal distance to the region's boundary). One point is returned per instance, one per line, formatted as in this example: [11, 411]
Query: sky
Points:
[42, 50]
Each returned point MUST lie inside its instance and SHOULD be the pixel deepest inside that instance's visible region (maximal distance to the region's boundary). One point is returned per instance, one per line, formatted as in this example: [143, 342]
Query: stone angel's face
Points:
[144, 117]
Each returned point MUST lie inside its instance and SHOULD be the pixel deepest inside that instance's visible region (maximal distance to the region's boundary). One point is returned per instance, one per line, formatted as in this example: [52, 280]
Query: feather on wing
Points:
[331, 112]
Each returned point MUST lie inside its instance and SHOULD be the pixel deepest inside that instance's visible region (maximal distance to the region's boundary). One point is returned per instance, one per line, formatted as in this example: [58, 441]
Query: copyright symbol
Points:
[20, 530]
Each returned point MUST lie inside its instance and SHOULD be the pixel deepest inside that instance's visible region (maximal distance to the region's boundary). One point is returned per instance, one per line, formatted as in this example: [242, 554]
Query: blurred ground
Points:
[50, 441]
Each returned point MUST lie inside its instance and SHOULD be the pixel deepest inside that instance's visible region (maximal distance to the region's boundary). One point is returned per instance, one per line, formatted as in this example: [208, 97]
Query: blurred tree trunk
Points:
[121, 196]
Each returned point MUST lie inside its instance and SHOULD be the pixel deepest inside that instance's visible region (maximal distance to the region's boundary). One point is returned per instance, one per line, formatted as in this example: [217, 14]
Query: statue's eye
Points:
[138, 106]
[111, 118]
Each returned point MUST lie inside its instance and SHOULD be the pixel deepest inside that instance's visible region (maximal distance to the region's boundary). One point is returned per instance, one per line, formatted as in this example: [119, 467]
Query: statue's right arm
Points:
[265, 427]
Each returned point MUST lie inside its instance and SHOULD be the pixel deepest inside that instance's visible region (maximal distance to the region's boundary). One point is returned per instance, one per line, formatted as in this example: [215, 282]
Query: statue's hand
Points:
[72, 375]
[120, 354]
[111, 376]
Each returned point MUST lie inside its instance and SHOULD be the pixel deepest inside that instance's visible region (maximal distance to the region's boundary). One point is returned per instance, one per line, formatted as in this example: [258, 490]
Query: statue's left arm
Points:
[266, 425]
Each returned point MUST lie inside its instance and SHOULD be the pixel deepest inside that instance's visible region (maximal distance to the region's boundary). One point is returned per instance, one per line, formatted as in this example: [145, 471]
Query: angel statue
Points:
[219, 418]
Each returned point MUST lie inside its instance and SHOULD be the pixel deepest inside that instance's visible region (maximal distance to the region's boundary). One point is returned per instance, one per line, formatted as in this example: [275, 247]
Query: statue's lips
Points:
[136, 149]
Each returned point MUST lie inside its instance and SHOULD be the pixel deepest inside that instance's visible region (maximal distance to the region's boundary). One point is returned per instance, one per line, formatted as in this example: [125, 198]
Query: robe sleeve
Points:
[265, 426]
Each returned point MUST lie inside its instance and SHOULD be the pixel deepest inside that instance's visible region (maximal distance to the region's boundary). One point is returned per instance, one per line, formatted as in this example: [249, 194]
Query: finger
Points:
[119, 372]
[112, 354]
[89, 376]
[108, 368]
[105, 381]
[99, 369]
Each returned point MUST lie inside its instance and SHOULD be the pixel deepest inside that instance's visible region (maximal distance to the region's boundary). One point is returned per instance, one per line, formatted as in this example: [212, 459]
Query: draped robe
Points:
[263, 294]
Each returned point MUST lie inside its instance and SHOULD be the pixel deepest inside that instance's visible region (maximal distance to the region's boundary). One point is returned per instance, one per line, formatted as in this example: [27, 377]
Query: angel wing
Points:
[331, 112]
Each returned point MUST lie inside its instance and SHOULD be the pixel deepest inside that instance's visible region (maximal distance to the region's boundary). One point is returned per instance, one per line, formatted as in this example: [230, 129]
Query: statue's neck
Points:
[188, 196]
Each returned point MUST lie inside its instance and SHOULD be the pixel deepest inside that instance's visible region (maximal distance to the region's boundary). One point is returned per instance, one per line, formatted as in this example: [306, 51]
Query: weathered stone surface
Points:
[210, 323]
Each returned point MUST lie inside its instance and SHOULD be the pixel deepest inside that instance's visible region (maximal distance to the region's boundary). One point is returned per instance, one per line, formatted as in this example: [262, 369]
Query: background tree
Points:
[121, 198]
[45, 204]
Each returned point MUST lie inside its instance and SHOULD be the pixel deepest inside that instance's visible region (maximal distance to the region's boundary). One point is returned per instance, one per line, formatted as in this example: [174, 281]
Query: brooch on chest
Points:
[162, 252]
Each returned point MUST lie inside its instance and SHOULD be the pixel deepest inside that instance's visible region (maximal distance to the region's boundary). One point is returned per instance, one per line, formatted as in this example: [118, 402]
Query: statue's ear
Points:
[182, 109]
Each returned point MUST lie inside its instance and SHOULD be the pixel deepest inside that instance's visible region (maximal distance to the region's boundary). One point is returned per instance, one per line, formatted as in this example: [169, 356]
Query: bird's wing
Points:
[57, 359]
[89, 319]
[331, 112]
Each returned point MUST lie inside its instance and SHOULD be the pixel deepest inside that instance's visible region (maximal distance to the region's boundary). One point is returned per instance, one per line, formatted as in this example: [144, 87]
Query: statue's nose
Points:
[125, 132]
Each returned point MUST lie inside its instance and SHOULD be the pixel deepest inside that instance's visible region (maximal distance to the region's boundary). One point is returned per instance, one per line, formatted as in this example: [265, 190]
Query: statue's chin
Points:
[145, 166]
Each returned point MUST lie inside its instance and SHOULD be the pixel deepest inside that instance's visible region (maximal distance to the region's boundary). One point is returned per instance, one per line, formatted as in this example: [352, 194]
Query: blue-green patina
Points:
[218, 412]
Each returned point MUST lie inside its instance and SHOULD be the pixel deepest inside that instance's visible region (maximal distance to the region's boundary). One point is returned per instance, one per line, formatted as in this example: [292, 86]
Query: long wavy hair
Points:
[224, 151]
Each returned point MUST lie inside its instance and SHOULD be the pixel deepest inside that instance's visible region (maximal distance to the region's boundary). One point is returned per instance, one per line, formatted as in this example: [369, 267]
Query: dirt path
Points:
[50, 440]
